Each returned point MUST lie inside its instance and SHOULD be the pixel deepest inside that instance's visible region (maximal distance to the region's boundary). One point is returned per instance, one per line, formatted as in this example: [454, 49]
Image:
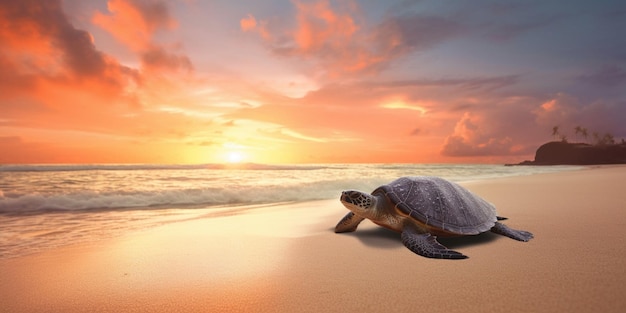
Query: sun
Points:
[234, 157]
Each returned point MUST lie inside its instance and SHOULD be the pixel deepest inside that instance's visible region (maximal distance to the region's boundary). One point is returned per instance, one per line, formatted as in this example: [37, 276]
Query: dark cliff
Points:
[556, 153]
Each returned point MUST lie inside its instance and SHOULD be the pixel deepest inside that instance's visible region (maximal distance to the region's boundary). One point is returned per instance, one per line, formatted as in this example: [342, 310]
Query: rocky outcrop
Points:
[557, 153]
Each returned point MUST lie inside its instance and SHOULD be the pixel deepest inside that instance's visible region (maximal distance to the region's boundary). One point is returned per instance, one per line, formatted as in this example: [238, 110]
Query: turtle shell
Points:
[439, 204]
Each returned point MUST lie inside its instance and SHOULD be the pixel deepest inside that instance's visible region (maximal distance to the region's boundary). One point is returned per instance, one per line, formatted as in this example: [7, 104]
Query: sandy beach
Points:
[287, 258]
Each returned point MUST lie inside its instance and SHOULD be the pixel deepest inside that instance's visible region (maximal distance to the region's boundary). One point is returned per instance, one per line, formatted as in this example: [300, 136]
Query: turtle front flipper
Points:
[504, 230]
[426, 245]
[348, 223]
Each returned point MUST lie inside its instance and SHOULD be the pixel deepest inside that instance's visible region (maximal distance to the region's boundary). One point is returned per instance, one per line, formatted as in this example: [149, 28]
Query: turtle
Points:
[421, 208]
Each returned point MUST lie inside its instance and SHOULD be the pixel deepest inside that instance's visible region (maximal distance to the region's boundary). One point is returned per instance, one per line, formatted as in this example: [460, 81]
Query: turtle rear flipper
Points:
[348, 223]
[504, 230]
[425, 244]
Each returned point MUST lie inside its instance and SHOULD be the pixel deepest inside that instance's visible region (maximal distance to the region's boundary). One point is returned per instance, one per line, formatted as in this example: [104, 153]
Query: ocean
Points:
[46, 206]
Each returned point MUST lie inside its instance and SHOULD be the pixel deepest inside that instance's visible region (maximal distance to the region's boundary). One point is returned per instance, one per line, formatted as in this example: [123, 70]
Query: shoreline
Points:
[33, 232]
[286, 258]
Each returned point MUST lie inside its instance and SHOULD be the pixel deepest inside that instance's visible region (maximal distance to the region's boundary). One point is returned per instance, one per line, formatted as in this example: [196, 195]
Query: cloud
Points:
[416, 132]
[320, 29]
[53, 78]
[568, 111]
[504, 21]
[60, 91]
[471, 139]
[379, 109]
[457, 146]
[465, 84]
[507, 28]
[608, 76]
[297, 135]
[412, 31]
[516, 125]
[248, 23]
[321, 32]
[497, 125]
[80, 53]
[39, 40]
[338, 42]
[13, 79]
[135, 23]
[156, 57]
[51, 68]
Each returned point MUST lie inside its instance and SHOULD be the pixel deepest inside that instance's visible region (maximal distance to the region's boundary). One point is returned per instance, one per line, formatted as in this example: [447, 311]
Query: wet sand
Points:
[287, 258]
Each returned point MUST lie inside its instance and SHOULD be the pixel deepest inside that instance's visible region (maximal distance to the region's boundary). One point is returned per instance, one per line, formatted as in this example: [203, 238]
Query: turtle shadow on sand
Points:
[464, 241]
[384, 238]
[378, 237]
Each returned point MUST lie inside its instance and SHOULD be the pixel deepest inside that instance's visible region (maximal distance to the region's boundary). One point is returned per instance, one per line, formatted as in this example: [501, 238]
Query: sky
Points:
[306, 81]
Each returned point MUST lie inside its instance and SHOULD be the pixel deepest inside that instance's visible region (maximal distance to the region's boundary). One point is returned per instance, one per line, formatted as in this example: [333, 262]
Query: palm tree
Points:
[555, 132]
[577, 130]
[596, 137]
[584, 133]
[608, 139]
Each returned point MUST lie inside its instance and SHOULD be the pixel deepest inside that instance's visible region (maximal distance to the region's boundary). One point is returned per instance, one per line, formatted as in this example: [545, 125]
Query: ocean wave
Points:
[239, 195]
[135, 167]
[61, 188]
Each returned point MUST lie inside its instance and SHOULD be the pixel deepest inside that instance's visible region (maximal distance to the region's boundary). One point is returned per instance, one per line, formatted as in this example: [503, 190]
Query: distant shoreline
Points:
[565, 153]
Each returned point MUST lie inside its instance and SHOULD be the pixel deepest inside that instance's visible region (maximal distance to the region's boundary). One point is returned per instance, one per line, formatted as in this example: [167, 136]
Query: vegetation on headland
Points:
[603, 149]
[598, 139]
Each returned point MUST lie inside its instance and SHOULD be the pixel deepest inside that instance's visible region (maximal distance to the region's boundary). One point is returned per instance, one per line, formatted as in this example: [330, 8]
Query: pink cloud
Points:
[337, 41]
[248, 23]
[471, 138]
[321, 32]
[567, 112]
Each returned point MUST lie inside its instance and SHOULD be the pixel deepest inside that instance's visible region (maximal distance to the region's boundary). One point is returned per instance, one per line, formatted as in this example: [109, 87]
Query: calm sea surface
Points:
[44, 206]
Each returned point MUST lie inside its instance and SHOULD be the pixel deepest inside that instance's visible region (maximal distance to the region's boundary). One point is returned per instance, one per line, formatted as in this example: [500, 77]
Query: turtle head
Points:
[360, 203]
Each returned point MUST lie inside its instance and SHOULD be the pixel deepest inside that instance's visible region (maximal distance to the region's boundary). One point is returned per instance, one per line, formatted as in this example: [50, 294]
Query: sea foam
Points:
[45, 188]
[43, 206]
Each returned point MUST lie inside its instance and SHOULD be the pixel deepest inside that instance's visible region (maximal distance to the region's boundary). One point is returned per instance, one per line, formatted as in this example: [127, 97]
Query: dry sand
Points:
[287, 259]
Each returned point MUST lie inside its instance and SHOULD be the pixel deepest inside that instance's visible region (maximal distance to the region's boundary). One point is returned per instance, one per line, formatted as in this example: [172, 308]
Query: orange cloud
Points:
[330, 36]
[135, 23]
[63, 99]
[22, 30]
[471, 139]
[338, 43]
[320, 28]
[248, 23]
[38, 40]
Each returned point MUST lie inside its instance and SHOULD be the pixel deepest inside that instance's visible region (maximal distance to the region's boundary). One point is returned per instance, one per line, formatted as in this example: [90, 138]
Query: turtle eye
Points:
[356, 198]
[350, 197]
